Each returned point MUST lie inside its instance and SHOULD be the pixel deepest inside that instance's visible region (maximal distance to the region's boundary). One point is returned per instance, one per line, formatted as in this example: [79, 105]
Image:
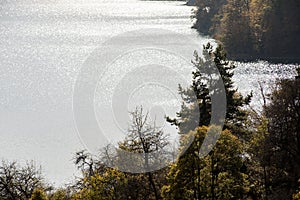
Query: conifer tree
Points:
[219, 175]
[197, 104]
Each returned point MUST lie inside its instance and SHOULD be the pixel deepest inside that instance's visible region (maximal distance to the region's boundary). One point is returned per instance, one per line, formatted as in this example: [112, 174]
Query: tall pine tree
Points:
[197, 104]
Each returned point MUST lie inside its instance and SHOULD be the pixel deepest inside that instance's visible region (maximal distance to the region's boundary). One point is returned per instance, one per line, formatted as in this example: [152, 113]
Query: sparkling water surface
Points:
[43, 46]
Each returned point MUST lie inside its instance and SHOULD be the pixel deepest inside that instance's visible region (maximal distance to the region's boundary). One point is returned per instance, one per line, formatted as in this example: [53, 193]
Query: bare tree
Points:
[18, 182]
[148, 141]
[108, 155]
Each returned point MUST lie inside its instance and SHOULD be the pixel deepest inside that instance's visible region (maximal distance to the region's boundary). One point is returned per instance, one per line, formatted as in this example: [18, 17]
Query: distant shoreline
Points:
[271, 60]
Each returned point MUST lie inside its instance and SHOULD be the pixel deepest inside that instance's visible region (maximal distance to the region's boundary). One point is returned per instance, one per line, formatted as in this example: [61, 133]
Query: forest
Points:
[257, 155]
[252, 29]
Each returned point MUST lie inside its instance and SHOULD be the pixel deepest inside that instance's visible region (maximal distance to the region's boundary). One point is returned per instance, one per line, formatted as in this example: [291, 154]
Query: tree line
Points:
[257, 155]
[252, 29]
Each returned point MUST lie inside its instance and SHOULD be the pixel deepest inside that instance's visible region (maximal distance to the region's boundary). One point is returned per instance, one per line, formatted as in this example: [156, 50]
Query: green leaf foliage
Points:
[217, 175]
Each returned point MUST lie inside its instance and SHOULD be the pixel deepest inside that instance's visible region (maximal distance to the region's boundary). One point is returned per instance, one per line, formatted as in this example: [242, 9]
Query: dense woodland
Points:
[252, 29]
[256, 157]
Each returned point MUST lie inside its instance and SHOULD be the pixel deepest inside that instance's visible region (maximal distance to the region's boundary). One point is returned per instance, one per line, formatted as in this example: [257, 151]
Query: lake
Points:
[45, 46]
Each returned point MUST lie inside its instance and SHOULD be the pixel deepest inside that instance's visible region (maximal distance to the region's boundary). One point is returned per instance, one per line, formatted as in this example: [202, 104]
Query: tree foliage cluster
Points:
[252, 29]
[257, 155]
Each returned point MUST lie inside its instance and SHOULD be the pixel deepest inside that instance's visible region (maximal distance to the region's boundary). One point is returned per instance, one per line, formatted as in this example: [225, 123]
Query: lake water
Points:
[44, 46]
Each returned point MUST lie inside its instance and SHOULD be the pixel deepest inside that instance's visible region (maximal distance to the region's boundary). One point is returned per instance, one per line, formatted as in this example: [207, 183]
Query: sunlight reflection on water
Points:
[42, 47]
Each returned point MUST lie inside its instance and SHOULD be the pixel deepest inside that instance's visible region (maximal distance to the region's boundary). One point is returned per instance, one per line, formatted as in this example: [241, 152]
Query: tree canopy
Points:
[253, 29]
